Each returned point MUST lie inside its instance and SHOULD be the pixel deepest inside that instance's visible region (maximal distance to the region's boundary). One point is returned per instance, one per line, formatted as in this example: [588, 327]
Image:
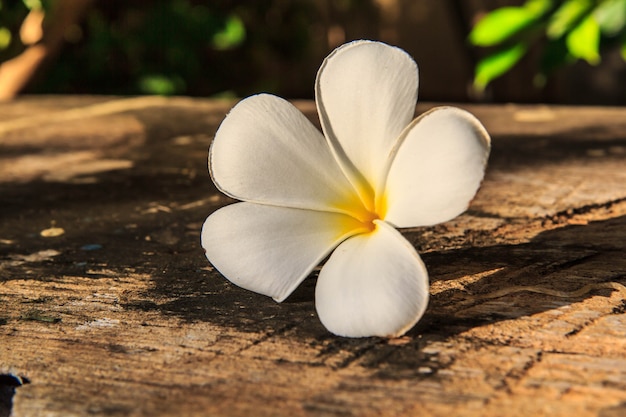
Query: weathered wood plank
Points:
[122, 315]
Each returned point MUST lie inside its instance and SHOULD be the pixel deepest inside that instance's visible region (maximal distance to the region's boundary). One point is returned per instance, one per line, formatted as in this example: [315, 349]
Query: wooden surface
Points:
[120, 314]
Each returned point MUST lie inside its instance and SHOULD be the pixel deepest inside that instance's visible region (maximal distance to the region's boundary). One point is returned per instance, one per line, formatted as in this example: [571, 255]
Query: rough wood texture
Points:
[121, 314]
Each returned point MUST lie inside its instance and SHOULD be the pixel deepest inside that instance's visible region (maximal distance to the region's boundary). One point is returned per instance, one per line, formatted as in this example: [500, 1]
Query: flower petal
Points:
[366, 94]
[374, 284]
[268, 249]
[437, 169]
[267, 151]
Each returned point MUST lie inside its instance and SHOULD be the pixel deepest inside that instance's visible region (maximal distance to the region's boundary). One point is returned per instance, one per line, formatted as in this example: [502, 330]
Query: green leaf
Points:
[496, 64]
[5, 38]
[623, 48]
[567, 17]
[538, 7]
[160, 85]
[611, 16]
[584, 41]
[231, 36]
[33, 4]
[499, 25]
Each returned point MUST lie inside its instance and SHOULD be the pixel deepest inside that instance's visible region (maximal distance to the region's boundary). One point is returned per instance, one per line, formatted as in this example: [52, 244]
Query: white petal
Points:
[267, 151]
[268, 249]
[366, 94]
[439, 165]
[374, 284]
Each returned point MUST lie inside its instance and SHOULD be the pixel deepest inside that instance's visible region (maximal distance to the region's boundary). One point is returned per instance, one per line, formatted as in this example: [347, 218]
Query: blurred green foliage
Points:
[11, 15]
[168, 47]
[149, 50]
[568, 30]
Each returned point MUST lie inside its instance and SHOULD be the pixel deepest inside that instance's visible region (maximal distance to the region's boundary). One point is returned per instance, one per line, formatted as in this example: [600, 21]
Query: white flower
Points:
[307, 195]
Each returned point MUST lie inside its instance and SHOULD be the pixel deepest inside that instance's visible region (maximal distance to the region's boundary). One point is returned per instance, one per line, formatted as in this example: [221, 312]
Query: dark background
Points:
[234, 48]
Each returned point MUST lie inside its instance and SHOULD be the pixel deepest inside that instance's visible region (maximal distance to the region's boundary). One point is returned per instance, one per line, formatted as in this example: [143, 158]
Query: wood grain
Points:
[121, 314]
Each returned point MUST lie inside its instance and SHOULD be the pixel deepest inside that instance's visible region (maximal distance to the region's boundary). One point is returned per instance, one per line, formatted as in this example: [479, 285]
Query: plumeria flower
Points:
[308, 196]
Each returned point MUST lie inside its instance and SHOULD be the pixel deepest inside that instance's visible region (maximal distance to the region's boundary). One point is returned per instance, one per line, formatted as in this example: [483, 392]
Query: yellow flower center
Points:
[365, 208]
[367, 220]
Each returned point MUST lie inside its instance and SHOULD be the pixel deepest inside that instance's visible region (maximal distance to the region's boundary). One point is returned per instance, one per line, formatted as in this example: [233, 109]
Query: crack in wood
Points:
[548, 291]
[8, 384]
[356, 353]
[268, 335]
[569, 215]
